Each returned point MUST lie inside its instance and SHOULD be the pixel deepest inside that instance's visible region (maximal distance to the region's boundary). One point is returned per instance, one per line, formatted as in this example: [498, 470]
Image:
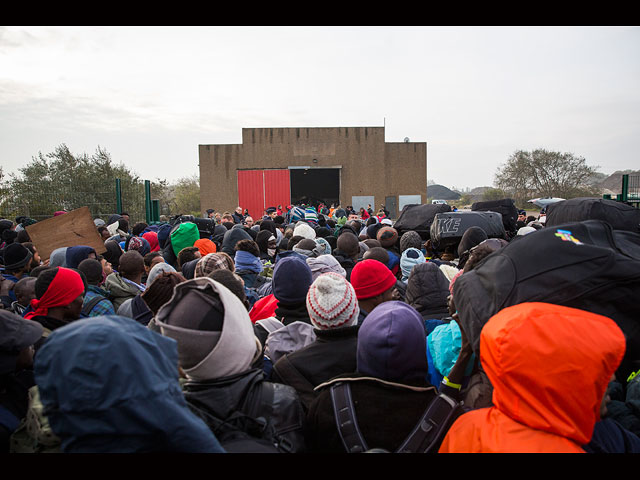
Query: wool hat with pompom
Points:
[332, 302]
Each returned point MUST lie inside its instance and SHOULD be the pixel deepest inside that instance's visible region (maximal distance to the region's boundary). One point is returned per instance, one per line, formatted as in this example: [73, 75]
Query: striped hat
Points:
[332, 302]
[310, 214]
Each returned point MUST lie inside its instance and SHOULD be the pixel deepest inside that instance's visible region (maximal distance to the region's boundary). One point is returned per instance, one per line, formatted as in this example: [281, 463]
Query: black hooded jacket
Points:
[428, 290]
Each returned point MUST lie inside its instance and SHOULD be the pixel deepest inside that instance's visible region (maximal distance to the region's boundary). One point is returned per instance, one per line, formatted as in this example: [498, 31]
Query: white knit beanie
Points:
[304, 230]
[332, 302]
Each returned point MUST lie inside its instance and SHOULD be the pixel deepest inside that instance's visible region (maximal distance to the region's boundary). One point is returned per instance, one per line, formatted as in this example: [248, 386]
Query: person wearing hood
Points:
[333, 310]
[249, 267]
[126, 283]
[427, 292]
[389, 387]
[303, 229]
[96, 403]
[59, 298]
[231, 237]
[216, 350]
[267, 243]
[472, 236]
[112, 254]
[75, 255]
[549, 382]
[410, 258]
[152, 239]
[309, 248]
[324, 264]
[17, 337]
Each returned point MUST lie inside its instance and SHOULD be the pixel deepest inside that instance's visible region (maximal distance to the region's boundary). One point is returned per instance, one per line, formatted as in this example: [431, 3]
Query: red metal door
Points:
[277, 189]
[261, 189]
[251, 192]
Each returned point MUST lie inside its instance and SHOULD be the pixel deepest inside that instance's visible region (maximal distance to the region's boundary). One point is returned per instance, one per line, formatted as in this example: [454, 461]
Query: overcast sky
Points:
[150, 96]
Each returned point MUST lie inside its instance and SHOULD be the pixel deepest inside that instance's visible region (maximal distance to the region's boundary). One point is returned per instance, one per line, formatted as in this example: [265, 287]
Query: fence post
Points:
[147, 201]
[625, 188]
[155, 210]
[118, 196]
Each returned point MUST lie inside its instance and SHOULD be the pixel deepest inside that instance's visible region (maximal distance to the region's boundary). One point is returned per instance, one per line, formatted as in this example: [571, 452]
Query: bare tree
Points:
[542, 173]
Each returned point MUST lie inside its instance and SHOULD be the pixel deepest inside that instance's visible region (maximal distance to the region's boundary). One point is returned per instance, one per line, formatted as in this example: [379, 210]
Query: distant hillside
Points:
[441, 192]
[613, 183]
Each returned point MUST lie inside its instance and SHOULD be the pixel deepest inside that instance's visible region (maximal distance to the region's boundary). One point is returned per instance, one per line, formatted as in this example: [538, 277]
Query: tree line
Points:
[60, 180]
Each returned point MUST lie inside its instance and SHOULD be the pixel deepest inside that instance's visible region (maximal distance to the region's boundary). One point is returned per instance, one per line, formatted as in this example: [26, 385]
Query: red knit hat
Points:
[370, 278]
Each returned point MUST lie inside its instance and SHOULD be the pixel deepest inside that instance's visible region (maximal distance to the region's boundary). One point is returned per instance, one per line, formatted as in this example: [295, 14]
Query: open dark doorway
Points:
[313, 186]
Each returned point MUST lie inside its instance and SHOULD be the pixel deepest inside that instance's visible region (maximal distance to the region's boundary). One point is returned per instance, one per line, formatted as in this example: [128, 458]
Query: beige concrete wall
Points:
[369, 165]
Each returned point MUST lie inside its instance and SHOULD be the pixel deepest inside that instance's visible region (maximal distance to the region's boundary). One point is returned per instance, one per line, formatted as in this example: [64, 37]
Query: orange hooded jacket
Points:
[550, 366]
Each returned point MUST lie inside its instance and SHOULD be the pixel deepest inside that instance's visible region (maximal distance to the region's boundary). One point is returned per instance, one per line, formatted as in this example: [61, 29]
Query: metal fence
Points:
[40, 202]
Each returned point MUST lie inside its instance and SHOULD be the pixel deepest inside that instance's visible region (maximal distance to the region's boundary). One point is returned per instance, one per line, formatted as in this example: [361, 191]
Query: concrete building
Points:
[282, 166]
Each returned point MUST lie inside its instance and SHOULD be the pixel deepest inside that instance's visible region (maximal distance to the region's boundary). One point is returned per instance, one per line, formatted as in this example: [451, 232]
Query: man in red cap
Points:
[373, 283]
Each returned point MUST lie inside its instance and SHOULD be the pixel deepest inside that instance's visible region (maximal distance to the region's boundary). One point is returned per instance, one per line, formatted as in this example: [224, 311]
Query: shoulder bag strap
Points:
[434, 423]
[345, 416]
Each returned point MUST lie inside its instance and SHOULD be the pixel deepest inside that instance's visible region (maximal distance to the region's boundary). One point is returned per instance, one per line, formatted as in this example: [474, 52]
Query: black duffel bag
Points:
[619, 215]
[585, 265]
[505, 207]
[448, 228]
[419, 218]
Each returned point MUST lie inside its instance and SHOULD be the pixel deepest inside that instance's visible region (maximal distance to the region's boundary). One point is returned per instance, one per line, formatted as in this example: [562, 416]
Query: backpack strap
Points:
[434, 423]
[86, 310]
[345, 416]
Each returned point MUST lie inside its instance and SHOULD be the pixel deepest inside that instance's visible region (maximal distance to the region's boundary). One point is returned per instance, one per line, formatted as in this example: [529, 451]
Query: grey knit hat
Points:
[410, 239]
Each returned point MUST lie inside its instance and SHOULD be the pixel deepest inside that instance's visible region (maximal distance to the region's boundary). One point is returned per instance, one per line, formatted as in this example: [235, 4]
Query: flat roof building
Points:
[341, 165]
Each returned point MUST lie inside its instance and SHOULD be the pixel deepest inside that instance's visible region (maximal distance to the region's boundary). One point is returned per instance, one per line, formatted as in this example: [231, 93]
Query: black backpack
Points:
[425, 437]
[243, 432]
[585, 265]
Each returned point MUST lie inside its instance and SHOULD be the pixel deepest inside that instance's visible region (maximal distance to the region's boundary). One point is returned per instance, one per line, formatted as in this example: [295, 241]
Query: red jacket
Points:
[550, 367]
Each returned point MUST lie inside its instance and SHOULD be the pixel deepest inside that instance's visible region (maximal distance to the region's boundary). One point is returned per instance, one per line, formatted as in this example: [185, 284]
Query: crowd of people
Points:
[301, 330]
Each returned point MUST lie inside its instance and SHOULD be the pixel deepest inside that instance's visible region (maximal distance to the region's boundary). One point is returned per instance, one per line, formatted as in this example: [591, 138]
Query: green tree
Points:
[61, 180]
[186, 196]
[543, 173]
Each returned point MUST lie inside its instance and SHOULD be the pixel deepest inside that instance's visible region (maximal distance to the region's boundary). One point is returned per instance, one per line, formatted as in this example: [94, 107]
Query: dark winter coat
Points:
[245, 393]
[386, 413]
[332, 354]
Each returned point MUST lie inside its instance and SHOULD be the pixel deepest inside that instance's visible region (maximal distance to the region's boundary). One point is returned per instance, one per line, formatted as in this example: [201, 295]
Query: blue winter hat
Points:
[291, 280]
[163, 234]
[75, 255]
[392, 344]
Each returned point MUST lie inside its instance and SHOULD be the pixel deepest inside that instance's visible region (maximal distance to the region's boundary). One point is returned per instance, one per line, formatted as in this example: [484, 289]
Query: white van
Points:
[439, 202]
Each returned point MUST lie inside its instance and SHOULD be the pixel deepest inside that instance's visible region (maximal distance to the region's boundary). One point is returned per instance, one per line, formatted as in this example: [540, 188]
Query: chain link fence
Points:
[40, 203]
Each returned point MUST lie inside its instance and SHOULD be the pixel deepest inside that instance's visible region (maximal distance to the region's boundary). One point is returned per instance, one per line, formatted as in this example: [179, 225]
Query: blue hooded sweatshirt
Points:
[110, 385]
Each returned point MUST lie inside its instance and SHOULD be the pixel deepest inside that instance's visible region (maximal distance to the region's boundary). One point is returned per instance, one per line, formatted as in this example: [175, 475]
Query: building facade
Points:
[341, 165]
